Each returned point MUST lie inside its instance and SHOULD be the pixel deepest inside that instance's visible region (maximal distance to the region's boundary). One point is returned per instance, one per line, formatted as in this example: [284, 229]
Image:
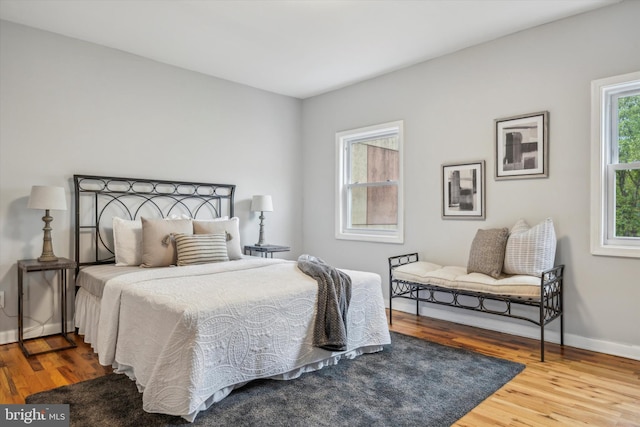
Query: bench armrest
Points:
[551, 282]
[398, 260]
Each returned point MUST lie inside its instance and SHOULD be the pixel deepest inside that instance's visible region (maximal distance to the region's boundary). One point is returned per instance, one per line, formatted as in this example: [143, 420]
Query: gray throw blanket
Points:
[334, 296]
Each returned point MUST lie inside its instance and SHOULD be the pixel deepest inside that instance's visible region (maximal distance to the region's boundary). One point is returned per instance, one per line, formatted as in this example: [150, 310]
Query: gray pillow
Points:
[487, 252]
[158, 246]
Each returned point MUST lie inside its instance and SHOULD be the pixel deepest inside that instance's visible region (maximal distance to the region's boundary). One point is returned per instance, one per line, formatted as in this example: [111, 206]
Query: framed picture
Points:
[522, 146]
[463, 191]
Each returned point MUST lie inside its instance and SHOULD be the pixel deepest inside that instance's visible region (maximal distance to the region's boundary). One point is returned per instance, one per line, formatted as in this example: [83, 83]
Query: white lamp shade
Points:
[47, 197]
[261, 204]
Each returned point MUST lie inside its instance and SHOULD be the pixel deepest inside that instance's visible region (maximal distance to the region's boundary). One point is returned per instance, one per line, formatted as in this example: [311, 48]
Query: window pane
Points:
[628, 203]
[374, 207]
[629, 129]
[375, 160]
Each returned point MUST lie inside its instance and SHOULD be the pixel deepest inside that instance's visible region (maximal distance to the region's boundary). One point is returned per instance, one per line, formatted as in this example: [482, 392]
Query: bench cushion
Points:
[454, 277]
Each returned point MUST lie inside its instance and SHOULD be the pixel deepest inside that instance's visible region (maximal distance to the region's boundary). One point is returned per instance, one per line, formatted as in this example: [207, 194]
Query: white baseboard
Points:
[508, 326]
[7, 337]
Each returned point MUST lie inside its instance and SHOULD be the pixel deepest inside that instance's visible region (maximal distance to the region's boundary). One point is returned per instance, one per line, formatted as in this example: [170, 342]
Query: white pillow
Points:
[530, 250]
[127, 241]
[220, 218]
[230, 226]
[176, 216]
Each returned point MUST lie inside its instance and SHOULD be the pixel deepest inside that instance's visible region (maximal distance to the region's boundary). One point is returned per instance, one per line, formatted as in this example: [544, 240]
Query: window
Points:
[369, 184]
[615, 169]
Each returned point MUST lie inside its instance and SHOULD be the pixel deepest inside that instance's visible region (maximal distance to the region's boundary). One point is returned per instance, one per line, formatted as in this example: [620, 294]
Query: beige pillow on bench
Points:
[487, 252]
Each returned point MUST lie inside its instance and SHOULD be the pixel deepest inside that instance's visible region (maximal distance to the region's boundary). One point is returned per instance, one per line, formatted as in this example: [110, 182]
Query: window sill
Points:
[616, 251]
[370, 238]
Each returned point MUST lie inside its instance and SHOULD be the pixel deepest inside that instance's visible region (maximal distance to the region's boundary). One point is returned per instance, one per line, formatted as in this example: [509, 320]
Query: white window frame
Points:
[342, 229]
[604, 163]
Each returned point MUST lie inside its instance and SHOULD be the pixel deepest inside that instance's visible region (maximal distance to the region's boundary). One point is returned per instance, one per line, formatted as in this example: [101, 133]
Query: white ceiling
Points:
[295, 48]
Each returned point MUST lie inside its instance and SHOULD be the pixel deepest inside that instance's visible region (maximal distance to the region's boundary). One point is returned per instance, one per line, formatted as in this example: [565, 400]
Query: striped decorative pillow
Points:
[530, 250]
[201, 248]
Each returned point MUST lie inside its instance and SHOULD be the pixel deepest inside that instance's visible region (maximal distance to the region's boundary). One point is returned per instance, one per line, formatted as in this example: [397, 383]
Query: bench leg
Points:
[542, 342]
[390, 299]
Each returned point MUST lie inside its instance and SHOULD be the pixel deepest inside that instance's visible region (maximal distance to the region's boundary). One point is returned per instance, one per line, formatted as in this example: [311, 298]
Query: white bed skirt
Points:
[87, 316]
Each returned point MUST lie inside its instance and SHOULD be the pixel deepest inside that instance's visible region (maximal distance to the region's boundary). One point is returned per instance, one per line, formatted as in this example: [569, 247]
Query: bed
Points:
[189, 335]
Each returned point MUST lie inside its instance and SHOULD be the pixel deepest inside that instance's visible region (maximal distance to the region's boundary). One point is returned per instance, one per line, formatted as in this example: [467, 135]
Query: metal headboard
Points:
[100, 198]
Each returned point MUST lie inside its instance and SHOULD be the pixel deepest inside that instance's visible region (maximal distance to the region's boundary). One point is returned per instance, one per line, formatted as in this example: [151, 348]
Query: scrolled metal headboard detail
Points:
[98, 199]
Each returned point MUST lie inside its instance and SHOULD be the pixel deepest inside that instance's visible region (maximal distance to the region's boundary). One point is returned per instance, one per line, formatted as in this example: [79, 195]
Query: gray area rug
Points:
[412, 382]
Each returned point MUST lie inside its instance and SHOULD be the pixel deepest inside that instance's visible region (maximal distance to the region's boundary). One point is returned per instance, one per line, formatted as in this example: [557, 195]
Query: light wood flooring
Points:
[572, 387]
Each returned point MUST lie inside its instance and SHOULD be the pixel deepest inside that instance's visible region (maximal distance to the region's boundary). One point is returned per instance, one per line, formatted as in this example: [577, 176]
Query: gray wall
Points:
[71, 107]
[448, 106]
[68, 107]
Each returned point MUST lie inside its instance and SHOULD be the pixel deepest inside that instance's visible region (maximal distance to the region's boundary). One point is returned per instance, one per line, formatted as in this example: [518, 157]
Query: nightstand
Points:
[61, 266]
[265, 250]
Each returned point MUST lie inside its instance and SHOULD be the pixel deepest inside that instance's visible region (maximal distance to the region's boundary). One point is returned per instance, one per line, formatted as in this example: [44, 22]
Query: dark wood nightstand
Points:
[265, 250]
[61, 266]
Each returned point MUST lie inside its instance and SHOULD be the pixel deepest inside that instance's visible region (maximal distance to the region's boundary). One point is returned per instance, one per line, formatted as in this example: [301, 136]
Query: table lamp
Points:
[47, 198]
[261, 204]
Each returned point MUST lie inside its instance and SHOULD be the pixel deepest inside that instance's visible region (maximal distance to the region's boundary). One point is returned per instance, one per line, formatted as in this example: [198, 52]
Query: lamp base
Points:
[261, 235]
[47, 247]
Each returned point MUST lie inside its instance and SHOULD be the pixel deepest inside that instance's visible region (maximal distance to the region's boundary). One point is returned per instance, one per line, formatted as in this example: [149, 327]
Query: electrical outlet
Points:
[1, 299]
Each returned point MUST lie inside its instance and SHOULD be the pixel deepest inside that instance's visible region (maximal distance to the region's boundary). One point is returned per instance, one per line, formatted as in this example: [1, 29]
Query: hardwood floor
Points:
[21, 376]
[572, 387]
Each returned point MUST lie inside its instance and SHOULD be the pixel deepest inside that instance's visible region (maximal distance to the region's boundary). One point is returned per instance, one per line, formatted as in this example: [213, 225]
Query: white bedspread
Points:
[189, 335]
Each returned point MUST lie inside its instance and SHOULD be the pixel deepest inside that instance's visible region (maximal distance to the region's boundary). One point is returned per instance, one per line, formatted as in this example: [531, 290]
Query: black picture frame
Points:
[522, 146]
